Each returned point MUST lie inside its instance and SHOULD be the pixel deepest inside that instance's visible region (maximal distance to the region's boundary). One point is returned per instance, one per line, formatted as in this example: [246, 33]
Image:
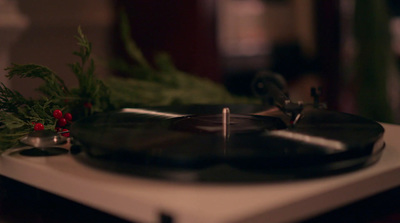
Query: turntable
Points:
[172, 143]
[277, 140]
[217, 163]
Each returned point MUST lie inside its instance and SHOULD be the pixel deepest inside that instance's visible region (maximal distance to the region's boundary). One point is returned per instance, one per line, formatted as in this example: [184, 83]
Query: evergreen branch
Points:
[29, 70]
[9, 139]
[91, 90]
[85, 77]
[33, 71]
[131, 48]
[85, 47]
[10, 100]
[163, 84]
[142, 69]
[11, 121]
[53, 86]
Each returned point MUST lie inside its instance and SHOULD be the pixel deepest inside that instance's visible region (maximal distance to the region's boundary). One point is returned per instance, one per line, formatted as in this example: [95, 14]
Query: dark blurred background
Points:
[348, 47]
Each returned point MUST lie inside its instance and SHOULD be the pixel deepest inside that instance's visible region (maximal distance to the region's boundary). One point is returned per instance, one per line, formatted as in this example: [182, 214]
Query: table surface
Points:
[144, 200]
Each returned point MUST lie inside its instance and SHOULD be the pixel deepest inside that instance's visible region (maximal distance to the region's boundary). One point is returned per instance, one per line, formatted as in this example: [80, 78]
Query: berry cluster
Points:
[62, 121]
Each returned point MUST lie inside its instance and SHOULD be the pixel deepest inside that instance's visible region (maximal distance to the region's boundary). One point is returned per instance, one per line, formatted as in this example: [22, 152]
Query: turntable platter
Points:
[164, 140]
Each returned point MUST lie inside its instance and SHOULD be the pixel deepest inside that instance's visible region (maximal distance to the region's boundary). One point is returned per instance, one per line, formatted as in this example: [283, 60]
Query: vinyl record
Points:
[260, 142]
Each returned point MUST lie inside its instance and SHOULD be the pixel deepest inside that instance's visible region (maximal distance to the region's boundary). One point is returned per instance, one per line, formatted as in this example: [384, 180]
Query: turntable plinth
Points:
[145, 199]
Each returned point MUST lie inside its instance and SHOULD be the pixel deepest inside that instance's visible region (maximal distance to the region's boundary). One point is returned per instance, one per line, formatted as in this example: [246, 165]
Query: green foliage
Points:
[131, 48]
[147, 85]
[53, 87]
[15, 124]
[161, 84]
[11, 100]
[91, 91]
[18, 114]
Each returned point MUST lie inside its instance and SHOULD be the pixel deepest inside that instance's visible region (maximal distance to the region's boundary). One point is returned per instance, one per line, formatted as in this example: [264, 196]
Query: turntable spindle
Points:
[225, 122]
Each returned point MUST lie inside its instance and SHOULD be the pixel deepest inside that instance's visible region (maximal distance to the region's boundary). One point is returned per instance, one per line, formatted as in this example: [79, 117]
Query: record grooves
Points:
[243, 143]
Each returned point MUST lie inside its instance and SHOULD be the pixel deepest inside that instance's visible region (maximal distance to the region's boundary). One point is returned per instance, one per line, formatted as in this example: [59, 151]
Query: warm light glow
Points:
[150, 112]
[314, 140]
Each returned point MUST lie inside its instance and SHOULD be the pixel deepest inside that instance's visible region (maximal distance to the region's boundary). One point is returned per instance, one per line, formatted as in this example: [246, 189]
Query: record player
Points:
[279, 139]
[282, 161]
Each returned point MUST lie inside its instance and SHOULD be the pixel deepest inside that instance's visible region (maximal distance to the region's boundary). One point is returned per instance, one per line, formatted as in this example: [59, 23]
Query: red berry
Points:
[58, 129]
[57, 114]
[68, 116]
[87, 105]
[61, 122]
[38, 127]
[65, 134]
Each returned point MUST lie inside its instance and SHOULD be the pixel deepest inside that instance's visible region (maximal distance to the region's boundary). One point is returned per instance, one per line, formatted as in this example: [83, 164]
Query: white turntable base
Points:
[144, 200]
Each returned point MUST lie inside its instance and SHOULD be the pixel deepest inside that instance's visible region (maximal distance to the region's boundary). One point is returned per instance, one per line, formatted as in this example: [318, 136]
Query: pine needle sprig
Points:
[40, 111]
[85, 49]
[11, 121]
[14, 125]
[85, 46]
[141, 68]
[54, 86]
[161, 82]
[131, 48]
[11, 100]
[91, 91]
